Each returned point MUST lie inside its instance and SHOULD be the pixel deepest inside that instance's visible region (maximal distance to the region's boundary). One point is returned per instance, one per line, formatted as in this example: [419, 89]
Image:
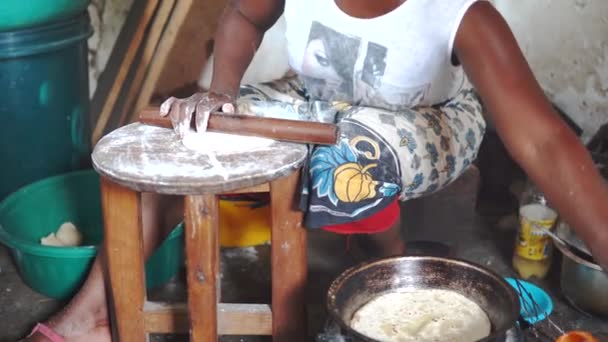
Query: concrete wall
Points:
[107, 18]
[566, 43]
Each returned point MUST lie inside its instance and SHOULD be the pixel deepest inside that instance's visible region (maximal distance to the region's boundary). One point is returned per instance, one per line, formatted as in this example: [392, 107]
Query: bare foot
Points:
[99, 333]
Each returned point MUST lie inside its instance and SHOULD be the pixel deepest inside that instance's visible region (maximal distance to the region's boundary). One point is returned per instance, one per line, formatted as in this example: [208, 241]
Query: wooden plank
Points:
[253, 189]
[106, 79]
[136, 40]
[288, 261]
[202, 265]
[174, 26]
[183, 51]
[190, 52]
[124, 254]
[244, 319]
[152, 40]
[233, 319]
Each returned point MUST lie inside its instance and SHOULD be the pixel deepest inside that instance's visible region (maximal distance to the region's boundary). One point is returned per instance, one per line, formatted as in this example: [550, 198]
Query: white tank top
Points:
[398, 60]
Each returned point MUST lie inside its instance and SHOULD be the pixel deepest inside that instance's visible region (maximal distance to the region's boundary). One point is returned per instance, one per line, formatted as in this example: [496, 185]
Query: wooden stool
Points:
[138, 158]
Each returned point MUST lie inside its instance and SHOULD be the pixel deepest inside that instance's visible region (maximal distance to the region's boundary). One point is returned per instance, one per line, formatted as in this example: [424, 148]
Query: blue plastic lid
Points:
[42, 39]
[529, 294]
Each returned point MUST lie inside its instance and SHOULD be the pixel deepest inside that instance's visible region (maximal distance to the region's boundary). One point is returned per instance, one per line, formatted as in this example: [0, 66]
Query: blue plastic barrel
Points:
[44, 102]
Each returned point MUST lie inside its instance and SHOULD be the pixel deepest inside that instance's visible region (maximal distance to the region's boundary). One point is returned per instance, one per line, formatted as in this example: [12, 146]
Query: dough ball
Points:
[69, 235]
[51, 240]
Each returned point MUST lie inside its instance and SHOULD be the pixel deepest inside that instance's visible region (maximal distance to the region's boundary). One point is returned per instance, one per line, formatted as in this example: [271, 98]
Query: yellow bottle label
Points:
[533, 243]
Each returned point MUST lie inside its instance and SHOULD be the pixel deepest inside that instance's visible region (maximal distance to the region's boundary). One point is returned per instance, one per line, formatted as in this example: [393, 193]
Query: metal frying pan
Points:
[360, 284]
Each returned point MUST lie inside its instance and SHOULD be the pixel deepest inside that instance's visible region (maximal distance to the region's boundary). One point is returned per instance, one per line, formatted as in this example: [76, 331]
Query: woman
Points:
[391, 74]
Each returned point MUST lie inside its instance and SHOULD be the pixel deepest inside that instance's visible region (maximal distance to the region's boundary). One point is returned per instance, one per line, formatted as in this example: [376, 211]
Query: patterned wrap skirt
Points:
[382, 155]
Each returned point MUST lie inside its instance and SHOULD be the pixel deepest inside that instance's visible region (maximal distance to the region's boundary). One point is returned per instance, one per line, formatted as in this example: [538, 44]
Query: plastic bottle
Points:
[533, 247]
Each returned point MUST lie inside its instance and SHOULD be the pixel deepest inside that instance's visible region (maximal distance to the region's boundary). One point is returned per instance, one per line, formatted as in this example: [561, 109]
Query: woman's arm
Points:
[535, 136]
[239, 34]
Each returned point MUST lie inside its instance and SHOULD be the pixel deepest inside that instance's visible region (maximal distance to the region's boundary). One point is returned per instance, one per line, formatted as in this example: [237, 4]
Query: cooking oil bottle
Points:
[533, 247]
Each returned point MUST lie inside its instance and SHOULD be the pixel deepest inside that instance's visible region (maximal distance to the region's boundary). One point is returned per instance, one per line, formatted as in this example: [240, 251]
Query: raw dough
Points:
[51, 240]
[420, 316]
[67, 236]
[220, 143]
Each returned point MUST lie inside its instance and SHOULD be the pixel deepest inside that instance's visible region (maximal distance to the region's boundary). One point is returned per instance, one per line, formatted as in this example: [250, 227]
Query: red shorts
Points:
[376, 223]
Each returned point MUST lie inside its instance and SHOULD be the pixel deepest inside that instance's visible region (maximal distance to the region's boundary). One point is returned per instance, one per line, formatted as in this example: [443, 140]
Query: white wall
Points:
[566, 43]
[107, 19]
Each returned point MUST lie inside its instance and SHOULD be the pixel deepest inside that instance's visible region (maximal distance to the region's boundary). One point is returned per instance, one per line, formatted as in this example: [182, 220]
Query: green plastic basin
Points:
[19, 14]
[40, 208]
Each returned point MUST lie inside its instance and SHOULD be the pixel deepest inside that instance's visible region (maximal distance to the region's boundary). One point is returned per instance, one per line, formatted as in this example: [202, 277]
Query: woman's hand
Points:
[201, 105]
[239, 34]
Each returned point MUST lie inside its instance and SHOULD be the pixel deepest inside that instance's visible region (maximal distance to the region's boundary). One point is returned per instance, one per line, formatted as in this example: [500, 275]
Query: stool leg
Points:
[124, 256]
[289, 268]
[202, 264]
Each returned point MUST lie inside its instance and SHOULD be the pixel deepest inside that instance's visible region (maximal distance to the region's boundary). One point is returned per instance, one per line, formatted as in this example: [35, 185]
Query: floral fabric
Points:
[381, 154]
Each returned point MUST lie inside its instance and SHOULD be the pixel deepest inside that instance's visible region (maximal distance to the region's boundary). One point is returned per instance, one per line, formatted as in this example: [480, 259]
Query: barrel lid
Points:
[42, 39]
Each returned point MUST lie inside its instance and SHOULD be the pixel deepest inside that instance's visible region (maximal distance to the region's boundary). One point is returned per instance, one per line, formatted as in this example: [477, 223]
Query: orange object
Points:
[242, 225]
[577, 336]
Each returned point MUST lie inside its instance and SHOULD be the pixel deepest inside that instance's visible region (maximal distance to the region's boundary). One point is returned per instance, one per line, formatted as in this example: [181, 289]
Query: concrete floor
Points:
[448, 216]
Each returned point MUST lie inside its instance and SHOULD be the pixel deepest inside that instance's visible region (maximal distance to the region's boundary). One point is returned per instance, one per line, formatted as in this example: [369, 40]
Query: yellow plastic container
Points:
[533, 247]
[242, 225]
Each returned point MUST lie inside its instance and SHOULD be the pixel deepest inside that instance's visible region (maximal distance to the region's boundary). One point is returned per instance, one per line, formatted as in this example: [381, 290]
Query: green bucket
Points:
[44, 102]
[20, 14]
[40, 208]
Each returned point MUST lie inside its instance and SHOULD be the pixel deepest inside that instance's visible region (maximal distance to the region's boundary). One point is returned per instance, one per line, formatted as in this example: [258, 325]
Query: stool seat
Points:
[152, 159]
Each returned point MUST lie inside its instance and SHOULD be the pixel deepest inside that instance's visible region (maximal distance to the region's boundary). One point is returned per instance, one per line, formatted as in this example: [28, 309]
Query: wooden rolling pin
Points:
[278, 129]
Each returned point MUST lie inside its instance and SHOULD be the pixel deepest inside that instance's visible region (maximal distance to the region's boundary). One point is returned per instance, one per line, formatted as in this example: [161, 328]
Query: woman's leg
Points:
[383, 155]
[85, 318]
[376, 236]
[387, 243]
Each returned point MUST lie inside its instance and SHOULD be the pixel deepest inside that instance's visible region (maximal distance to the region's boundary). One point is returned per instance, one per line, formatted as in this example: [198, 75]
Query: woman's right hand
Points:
[201, 105]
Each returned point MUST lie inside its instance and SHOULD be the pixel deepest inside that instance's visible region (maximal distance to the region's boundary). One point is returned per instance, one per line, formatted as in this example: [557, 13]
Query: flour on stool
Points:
[221, 143]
